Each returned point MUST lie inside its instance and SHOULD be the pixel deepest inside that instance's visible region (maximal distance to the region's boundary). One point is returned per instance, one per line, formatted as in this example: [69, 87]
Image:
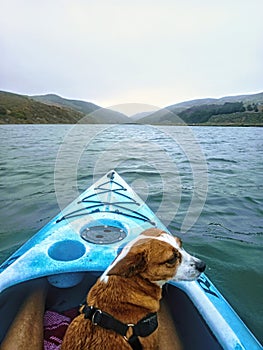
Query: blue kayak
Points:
[75, 247]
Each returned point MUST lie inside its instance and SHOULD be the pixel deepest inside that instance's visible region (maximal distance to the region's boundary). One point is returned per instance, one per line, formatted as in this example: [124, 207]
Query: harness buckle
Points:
[95, 322]
[130, 326]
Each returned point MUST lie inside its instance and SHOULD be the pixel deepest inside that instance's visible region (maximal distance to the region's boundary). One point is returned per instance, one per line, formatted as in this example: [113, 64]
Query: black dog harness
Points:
[143, 328]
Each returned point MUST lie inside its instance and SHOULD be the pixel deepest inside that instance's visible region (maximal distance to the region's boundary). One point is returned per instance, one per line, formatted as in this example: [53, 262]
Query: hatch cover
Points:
[103, 234]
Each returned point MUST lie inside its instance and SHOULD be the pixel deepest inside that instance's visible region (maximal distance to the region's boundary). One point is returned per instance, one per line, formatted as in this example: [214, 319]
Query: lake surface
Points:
[204, 183]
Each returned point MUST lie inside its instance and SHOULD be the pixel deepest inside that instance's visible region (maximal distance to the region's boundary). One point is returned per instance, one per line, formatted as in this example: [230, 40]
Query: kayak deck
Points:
[80, 243]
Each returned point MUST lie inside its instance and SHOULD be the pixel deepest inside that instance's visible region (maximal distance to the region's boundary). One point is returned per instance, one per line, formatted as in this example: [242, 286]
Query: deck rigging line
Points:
[119, 205]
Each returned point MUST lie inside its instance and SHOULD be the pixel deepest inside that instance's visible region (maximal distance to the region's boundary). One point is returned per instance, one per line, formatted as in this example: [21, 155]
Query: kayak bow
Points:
[80, 243]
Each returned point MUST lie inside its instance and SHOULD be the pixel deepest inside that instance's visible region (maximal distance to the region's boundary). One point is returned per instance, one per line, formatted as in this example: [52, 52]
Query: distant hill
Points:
[230, 110]
[140, 115]
[253, 98]
[161, 117]
[18, 109]
[98, 114]
[188, 104]
[55, 100]
[53, 109]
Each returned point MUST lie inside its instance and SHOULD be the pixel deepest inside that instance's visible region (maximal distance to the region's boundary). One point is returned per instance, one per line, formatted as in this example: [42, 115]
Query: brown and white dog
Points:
[130, 289]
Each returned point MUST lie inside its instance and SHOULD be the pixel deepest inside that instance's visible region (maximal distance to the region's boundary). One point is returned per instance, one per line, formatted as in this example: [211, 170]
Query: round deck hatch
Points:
[103, 234]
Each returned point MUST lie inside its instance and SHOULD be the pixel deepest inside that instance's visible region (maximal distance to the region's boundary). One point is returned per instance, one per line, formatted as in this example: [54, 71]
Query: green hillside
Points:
[17, 109]
[53, 109]
[55, 100]
[241, 119]
[98, 114]
[233, 110]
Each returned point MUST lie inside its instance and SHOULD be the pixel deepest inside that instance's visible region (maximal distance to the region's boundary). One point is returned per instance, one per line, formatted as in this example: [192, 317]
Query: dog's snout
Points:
[200, 266]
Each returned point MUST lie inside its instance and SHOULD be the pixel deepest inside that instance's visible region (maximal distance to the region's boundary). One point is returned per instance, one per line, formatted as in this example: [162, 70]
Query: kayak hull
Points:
[75, 247]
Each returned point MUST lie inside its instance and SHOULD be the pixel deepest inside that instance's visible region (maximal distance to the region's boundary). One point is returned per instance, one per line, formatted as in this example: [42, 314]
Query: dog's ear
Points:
[132, 264]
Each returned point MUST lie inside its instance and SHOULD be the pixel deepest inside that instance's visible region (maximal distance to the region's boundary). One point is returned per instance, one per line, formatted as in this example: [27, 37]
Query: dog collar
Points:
[143, 328]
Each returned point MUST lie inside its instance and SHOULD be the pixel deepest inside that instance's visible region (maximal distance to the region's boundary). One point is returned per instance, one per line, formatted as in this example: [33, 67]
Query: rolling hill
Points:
[98, 114]
[53, 109]
[229, 110]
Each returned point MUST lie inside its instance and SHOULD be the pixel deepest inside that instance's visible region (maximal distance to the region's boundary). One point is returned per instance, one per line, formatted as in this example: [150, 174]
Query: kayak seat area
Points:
[181, 327]
[190, 326]
[58, 299]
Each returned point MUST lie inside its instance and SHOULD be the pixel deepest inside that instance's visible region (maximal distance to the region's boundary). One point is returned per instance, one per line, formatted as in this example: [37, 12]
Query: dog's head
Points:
[158, 257]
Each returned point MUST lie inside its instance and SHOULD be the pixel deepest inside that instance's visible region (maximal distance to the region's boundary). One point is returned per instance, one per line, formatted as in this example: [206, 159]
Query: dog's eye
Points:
[172, 260]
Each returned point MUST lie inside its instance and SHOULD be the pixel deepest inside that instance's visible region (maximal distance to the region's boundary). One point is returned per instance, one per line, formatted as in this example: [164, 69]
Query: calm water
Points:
[205, 183]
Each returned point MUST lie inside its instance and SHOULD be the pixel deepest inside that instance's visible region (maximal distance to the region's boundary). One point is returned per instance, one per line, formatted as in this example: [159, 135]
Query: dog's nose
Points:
[200, 266]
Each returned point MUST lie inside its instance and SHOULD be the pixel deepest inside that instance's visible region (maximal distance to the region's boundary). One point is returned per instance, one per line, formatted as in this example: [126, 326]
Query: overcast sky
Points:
[109, 52]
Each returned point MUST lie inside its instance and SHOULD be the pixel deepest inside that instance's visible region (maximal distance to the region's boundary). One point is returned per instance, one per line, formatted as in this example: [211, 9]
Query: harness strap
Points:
[143, 328]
